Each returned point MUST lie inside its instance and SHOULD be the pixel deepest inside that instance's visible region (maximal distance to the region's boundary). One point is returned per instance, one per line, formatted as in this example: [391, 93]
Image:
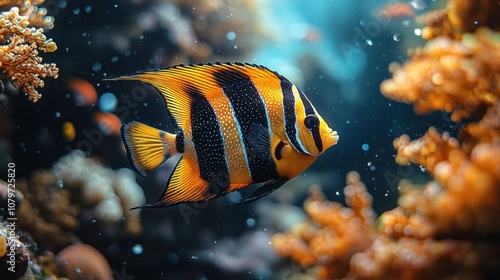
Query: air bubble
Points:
[137, 249]
[230, 35]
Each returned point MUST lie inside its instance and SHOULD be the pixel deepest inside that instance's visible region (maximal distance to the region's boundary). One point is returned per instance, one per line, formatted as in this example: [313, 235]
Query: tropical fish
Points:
[236, 125]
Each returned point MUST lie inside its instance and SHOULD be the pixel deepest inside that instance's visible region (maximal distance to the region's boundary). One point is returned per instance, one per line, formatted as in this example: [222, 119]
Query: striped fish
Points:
[236, 125]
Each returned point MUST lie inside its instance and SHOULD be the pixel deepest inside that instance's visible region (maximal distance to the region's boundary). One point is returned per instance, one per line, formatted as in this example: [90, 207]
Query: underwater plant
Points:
[447, 227]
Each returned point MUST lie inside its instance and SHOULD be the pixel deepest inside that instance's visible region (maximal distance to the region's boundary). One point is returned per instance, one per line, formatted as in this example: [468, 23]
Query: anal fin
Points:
[147, 147]
[264, 190]
[184, 185]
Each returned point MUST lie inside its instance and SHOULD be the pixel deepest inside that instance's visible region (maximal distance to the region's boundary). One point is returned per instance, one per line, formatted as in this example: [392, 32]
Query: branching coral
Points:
[37, 16]
[461, 16]
[19, 60]
[448, 227]
[330, 241]
[460, 76]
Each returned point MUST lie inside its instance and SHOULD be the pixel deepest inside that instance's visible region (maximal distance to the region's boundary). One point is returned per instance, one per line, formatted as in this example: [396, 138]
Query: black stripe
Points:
[208, 142]
[248, 108]
[309, 110]
[179, 141]
[290, 117]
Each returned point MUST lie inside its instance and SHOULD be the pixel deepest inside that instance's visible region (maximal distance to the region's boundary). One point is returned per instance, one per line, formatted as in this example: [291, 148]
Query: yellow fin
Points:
[184, 185]
[147, 147]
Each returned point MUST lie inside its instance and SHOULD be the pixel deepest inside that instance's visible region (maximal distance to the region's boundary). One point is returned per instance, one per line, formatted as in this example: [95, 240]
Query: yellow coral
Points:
[19, 60]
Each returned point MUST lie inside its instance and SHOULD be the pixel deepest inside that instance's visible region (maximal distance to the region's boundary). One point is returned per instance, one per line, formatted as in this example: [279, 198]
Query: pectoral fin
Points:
[261, 141]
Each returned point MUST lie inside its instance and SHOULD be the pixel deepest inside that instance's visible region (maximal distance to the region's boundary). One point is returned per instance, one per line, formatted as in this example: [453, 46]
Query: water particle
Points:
[337, 193]
[78, 270]
[137, 249]
[107, 102]
[96, 66]
[365, 147]
[173, 258]
[396, 37]
[57, 114]
[250, 222]
[88, 9]
[373, 168]
[194, 257]
[417, 31]
[76, 11]
[59, 184]
[230, 35]
[369, 42]
[422, 168]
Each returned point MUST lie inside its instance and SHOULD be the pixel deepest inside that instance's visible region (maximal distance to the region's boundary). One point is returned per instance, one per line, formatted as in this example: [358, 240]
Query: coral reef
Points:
[457, 76]
[461, 16]
[81, 261]
[110, 193]
[448, 227]
[37, 16]
[330, 241]
[53, 201]
[19, 48]
[47, 210]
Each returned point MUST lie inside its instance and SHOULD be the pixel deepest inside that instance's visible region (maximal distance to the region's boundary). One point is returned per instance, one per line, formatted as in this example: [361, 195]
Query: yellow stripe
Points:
[269, 88]
[239, 172]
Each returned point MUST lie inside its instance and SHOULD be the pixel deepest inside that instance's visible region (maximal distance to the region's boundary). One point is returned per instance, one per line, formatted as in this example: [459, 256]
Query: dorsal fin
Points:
[180, 84]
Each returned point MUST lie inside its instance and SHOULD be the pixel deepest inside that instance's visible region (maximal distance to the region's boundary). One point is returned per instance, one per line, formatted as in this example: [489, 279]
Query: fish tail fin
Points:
[147, 147]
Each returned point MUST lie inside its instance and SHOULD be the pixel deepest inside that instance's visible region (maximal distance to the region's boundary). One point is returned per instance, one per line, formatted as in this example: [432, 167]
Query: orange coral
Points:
[330, 241]
[37, 16]
[461, 16]
[447, 228]
[19, 60]
[458, 77]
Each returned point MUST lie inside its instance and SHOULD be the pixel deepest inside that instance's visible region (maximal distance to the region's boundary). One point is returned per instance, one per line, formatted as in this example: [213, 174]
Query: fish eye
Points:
[311, 121]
